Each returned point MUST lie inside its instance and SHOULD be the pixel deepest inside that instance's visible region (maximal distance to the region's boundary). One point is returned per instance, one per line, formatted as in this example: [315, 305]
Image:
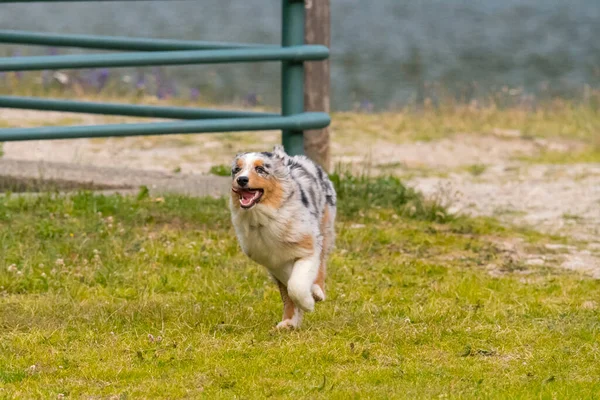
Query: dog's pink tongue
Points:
[247, 197]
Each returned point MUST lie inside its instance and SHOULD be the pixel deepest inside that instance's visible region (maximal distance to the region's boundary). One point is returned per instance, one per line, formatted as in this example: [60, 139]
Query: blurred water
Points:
[384, 52]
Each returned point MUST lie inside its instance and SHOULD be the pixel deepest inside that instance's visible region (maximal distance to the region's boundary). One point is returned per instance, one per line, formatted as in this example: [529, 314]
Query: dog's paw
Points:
[306, 302]
[317, 293]
[288, 324]
[301, 296]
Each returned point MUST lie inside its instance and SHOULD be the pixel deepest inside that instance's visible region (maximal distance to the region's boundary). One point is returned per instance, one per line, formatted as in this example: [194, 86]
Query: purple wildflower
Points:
[161, 93]
[102, 78]
[366, 106]
[194, 94]
[156, 73]
[140, 82]
[88, 78]
[251, 100]
[172, 89]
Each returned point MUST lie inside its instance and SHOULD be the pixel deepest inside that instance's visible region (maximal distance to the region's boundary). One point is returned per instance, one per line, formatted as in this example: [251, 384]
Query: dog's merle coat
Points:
[284, 215]
[309, 177]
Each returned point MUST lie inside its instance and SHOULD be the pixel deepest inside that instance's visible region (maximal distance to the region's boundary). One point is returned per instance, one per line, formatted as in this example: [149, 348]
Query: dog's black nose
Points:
[242, 180]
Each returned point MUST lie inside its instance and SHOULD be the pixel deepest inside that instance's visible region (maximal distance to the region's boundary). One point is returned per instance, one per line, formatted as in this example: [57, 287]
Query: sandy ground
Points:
[478, 175]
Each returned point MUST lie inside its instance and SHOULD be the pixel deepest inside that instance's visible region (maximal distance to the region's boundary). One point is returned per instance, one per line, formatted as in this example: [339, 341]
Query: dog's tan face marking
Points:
[273, 196]
[273, 192]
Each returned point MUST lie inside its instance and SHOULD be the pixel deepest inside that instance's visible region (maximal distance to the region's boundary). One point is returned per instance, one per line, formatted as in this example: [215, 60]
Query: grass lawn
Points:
[125, 297]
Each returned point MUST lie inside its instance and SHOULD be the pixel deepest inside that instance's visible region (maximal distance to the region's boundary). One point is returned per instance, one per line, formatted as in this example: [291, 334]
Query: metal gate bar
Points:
[298, 122]
[294, 54]
[114, 42]
[152, 52]
[128, 110]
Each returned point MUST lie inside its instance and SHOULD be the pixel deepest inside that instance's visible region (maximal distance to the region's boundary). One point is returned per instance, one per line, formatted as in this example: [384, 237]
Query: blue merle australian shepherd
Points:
[283, 210]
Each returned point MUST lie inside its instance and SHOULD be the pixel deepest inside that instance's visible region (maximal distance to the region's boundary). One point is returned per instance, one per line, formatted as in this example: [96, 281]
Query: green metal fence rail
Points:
[142, 52]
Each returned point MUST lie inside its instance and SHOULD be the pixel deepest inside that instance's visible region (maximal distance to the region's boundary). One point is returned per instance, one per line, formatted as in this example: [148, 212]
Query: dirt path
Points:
[559, 199]
[479, 175]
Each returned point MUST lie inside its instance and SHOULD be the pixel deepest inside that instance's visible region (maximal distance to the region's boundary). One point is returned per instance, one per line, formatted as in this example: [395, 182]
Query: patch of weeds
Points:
[476, 226]
[143, 192]
[358, 194]
[468, 351]
[572, 217]
[220, 170]
[12, 376]
[1, 149]
[589, 155]
[405, 172]
[391, 165]
[476, 169]
[501, 211]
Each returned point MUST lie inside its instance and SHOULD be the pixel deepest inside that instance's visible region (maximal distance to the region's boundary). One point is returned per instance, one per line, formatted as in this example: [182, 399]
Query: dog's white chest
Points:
[261, 240]
[263, 245]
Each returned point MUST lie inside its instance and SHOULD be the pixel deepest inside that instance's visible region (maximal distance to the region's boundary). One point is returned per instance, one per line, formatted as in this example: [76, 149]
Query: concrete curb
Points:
[116, 179]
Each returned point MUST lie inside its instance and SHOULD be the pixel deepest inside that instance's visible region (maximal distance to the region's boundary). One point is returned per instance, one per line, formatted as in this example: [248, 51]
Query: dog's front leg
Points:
[300, 283]
[292, 314]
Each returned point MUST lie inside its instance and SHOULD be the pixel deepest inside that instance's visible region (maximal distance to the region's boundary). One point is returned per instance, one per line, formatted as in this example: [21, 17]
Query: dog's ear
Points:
[236, 158]
[281, 161]
[278, 151]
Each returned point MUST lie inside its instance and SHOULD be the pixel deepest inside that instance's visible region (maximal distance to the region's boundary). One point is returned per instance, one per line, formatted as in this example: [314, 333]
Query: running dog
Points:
[283, 211]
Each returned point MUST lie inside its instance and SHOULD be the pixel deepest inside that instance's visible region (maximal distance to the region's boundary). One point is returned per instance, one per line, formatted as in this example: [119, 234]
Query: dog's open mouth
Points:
[249, 197]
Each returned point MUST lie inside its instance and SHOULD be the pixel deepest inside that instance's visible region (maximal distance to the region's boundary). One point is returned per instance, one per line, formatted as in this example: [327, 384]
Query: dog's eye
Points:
[235, 170]
[260, 170]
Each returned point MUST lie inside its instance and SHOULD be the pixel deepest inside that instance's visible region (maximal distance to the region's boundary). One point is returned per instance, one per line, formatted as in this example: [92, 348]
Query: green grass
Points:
[220, 170]
[561, 120]
[358, 194]
[476, 169]
[135, 297]
[588, 155]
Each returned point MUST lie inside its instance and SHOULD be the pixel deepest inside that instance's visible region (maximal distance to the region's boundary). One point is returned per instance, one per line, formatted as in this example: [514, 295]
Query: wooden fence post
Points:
[317, 79]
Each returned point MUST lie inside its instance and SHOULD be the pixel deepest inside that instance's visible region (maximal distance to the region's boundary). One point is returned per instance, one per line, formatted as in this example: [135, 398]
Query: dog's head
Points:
[258, 178]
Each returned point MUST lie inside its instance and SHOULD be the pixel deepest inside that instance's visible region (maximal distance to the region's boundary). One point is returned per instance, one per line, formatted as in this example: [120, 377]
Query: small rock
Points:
[556, 246]
[589, 305]
[357, 226]
[507, 133]
[534, 261]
